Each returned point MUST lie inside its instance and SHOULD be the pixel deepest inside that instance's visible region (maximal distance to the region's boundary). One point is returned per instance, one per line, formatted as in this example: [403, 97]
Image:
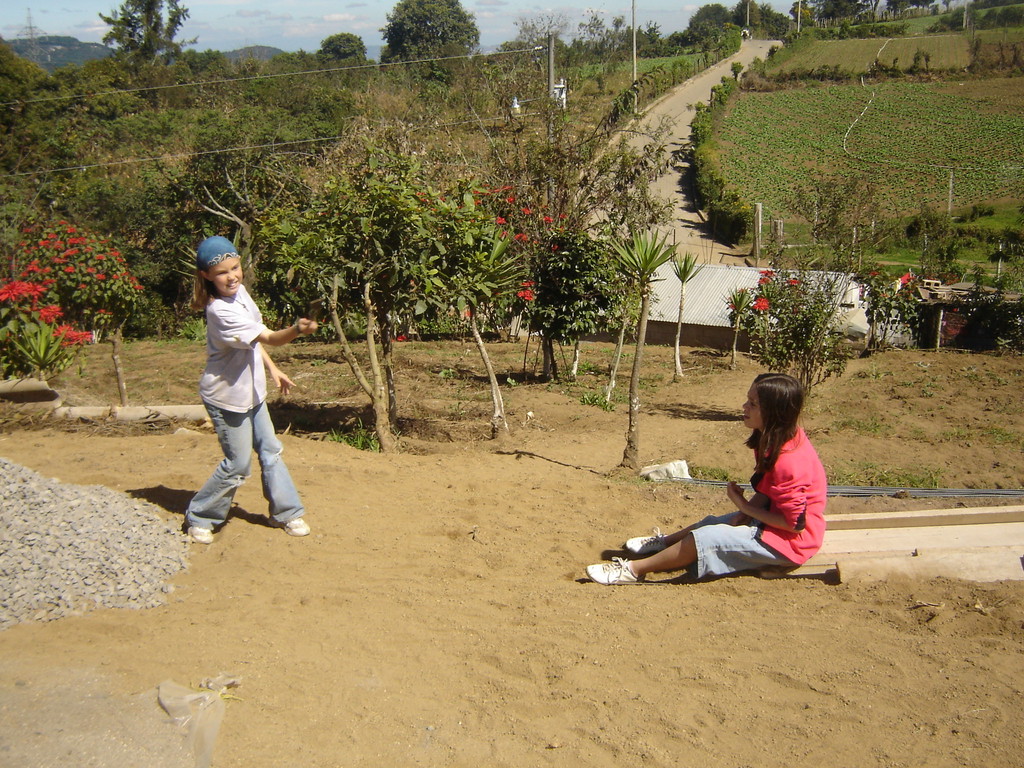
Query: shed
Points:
[706, 312]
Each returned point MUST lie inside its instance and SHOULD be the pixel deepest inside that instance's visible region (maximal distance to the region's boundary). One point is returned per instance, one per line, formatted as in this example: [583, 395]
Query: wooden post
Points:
[758, 212]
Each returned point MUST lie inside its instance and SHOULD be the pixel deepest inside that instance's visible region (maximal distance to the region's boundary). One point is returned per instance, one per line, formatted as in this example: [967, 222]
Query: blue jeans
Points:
[724, 548]
[239, 434]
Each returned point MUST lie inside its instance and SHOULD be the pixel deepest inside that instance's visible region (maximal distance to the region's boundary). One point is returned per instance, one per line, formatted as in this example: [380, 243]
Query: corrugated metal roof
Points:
[707, 294]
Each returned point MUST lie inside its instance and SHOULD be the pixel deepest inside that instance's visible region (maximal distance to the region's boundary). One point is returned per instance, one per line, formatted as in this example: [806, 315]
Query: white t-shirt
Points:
[235, 378]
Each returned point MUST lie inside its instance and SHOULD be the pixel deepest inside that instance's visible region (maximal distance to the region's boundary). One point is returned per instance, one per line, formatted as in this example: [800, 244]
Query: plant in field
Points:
[31, 341]
[792, 324]
[486, 273]
[740, 302]
[685, 268]
[574, 286]
[87, 279]
[891, 305]
[638, 261]
[371, 240]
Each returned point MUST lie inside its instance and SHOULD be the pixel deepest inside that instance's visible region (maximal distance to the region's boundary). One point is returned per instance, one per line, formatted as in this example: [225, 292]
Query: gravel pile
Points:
[65, 549]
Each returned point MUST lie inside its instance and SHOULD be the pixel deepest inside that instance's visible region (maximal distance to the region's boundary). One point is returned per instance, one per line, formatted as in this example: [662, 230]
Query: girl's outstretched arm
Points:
[302, 327]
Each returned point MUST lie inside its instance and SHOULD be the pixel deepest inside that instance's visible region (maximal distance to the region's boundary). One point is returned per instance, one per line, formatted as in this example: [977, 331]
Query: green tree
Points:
[144, 30]
[638, 261]
[369, 241]
[418, 29]
[341, 47]
[573, 279]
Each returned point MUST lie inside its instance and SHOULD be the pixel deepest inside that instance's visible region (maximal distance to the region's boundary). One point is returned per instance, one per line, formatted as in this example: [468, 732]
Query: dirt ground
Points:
[438, 614]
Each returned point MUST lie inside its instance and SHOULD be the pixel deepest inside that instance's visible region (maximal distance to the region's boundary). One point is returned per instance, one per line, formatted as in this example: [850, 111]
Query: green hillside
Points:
[903, 136]
[854, 57]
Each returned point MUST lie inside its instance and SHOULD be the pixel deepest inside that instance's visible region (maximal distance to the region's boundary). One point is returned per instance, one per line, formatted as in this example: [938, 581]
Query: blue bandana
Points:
[212, 251]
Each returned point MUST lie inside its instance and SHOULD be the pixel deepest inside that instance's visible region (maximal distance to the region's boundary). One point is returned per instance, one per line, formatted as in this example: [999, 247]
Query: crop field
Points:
[944, 52]
[1002, 35]
[901, 137]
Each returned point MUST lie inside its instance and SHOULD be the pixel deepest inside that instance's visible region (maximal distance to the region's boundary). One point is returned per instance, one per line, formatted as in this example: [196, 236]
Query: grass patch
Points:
[872, 475]
[710, 473]
[596, 399]
[360, 436]
[867, 426]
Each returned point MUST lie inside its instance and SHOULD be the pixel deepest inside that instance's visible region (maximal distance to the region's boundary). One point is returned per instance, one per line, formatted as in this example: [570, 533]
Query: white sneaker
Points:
[200, 535]
[646, 545]
[295, 527]
[615, 572]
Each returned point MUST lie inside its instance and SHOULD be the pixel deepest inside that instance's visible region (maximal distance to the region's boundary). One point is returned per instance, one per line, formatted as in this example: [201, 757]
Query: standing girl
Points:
[234, 390]
[781, 524]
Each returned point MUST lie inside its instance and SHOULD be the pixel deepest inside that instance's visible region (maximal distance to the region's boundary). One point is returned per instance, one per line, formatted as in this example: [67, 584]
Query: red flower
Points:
[50, 313]
[69, 269]
[501, 220]
[794, 281]
[527, 211]
[761, 304]
[15, 290]
[526, 294]
[69, 337]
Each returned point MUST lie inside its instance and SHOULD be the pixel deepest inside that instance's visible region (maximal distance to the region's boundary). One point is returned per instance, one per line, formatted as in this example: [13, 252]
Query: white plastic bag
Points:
[200, 711]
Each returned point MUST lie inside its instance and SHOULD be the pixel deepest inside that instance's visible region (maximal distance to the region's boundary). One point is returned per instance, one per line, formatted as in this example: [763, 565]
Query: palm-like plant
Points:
[685, 268]
[488, 271]
[740, 302]
[638, 261]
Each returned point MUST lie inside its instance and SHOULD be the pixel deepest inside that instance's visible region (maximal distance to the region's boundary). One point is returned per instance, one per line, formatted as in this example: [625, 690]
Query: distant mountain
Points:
[258, 52]
[54, 51]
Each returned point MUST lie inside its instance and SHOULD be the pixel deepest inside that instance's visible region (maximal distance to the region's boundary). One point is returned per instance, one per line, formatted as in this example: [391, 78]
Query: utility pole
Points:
[799, 14]
[634, 41]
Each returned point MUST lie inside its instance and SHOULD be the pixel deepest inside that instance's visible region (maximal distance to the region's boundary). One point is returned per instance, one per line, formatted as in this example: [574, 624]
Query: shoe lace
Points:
[621, 567]
[658, 535]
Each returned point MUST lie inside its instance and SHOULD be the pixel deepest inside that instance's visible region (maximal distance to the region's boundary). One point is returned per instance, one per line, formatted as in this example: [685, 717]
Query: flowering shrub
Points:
[31, 341]
[87, 279]
[891, 307]
[69, 288]
[792, 324]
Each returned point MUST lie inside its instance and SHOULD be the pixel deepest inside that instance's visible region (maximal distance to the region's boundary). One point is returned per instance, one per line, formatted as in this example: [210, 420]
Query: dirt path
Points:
[687, 224]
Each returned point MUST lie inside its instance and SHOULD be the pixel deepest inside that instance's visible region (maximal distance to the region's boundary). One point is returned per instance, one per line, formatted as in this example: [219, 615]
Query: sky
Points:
[226, 25]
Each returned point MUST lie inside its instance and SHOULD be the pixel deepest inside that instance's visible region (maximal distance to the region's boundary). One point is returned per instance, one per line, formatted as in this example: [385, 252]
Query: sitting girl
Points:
[781, 524]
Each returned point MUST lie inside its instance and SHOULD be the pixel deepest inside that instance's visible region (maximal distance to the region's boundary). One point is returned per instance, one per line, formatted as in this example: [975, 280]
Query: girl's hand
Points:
[735, 494]
[305, 326]
[282, 381]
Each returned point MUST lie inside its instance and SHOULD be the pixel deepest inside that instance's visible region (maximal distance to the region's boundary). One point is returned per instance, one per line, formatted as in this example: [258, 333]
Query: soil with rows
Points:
[438, 614]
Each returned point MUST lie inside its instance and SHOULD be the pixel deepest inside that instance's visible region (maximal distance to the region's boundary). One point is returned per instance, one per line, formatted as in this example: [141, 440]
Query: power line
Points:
[248, 78]
[226, 150]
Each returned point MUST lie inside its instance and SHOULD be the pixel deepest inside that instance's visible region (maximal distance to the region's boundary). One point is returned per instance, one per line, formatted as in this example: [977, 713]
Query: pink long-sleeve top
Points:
[796, 487]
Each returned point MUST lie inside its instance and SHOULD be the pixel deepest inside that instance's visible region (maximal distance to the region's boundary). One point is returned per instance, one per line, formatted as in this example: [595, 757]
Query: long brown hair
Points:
[780, 398]
[203, 292]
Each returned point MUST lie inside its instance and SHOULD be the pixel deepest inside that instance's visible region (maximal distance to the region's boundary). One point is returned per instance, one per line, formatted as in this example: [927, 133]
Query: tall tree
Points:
[139, 30]
[418, 29]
